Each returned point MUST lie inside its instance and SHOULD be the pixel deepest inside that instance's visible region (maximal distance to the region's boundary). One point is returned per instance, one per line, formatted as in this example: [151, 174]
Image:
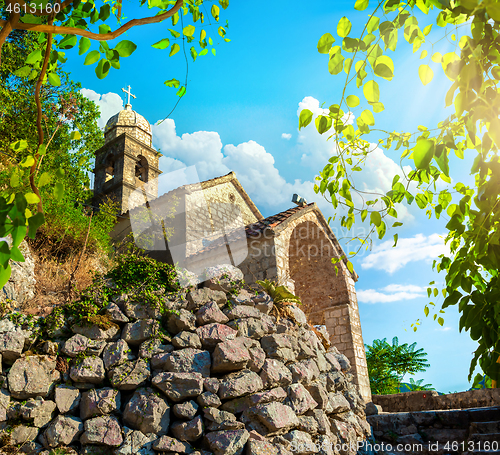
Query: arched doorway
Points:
[310, 267]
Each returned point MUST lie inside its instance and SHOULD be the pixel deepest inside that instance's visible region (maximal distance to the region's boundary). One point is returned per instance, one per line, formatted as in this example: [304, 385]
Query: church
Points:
[215, 222]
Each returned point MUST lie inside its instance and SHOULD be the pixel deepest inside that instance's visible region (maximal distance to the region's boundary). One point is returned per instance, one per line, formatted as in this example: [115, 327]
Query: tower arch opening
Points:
[141, 169]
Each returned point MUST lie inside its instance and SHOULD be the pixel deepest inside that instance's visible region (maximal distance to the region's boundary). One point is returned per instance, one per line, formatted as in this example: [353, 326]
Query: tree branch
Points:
[7, 27]
[58, 30]
[39, 118]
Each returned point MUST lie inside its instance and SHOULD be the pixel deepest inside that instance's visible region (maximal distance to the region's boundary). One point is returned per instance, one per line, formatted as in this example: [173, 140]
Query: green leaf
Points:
[162, 44]
[104, 12]
[194, 54]
[35, 221]
[363, 214]
[84, 45]
[102, 68]
[172, 83]
[384, 67]
[361, 5]
[371, 91]
[344, 27]
[323, 123]
[44, 179]
[425, 73]
[181, 92]
[215, 12]
[4, 275]
[367, 117]
[188, 30]
[375, 218]
[395, 240]
[19, 145]
[426, 311]
[92, 57]
[75, 135]
[54, 79]
[32, 198]
[27, 162]
[325, 43]
[350, 266]
[22, 72]
[352, 101]
[125, 48]
[174, 33]
[33, 57]
[224, 3]
[175, 48]
[335, 64]
[104, 29]
[423, 152]
[305, 118]
[58, 190]
[440, 321]
[68, 42]
[16, 255]
[372, 24]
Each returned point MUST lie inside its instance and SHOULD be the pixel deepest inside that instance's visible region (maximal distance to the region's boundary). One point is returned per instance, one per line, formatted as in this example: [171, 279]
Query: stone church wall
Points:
[260, 263]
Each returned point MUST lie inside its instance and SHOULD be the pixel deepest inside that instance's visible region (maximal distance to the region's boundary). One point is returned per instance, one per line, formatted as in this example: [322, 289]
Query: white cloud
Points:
[286, 136]
[443, 329]
[253, 165]
[202, 149]
[418, 248]
[391, 293]
[109, 104]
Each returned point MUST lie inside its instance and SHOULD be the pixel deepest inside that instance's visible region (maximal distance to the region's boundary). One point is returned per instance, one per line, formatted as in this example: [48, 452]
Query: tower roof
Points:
[128, 117]
[128, 120]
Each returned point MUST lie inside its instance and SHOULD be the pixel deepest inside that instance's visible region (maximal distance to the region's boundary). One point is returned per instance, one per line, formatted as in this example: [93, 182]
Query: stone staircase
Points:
[484, 431]
[442, 432]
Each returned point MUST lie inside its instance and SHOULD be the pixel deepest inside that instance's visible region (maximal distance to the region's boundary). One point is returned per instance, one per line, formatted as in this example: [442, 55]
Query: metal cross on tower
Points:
[129, 93]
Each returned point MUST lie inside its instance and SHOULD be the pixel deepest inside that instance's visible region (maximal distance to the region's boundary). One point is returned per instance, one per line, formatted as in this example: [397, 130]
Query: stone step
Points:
[482, 439]
[484, 414]
[485, 427]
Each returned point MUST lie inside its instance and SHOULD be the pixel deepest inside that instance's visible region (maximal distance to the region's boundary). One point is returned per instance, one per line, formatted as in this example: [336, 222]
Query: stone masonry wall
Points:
[303, 256]
[431, 400]
[210, 370]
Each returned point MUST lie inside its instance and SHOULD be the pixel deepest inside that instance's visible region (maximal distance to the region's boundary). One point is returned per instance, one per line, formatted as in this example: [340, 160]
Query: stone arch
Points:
[110, 168]
[311, 270]
[141, 169]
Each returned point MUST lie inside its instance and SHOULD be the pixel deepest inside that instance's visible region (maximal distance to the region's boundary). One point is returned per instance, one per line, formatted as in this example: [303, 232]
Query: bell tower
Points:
[127, 161]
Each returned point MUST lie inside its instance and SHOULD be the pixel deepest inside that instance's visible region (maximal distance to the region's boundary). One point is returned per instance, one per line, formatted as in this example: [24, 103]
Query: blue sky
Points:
[240, 113]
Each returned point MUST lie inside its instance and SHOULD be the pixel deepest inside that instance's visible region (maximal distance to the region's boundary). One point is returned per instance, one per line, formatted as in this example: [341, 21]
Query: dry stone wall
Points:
[228, 378]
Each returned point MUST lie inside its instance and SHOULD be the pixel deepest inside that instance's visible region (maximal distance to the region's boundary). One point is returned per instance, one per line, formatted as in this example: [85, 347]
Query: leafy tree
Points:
[67, 111]
[413, 385]
[79, 24]
[389, 363]
[482, 381]
[472, 213]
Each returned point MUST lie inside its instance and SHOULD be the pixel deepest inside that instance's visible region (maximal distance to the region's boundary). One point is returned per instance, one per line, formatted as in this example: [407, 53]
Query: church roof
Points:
[277, 223]
[128, 117]
[273, 221]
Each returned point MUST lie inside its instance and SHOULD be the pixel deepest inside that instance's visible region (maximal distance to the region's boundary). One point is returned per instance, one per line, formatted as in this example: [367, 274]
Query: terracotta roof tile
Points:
[272, 221]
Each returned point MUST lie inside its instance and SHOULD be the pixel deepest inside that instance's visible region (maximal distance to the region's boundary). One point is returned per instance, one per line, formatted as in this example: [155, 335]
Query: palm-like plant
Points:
[417, 385]
[388, 364]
